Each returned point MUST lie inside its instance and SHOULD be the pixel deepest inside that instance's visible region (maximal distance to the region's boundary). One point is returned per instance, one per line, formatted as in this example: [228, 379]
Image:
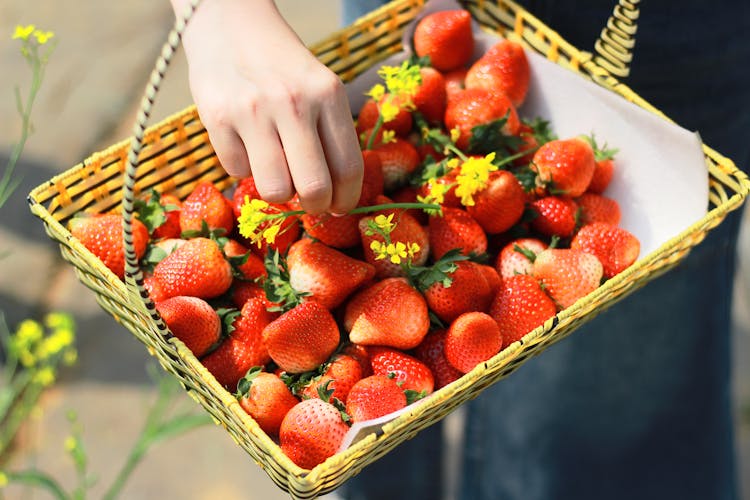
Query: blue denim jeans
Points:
[637, 402]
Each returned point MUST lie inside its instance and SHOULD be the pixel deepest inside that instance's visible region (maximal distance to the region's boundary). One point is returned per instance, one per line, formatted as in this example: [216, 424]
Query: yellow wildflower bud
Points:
[44, 377]
[473, 177]
[29, 332]
[384, 223]
[252, 215]
[270, 233]
[455, 134]
[23, 32]
[379, 249]
[70, 443]
[388, 110]
[388, 136]
[3, 480]
[413, 249]
[376, 92]
[70, 356]
[43, 37]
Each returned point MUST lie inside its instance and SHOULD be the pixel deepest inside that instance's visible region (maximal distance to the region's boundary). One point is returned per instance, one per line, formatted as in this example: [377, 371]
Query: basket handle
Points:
[614, 47]
[133, 273]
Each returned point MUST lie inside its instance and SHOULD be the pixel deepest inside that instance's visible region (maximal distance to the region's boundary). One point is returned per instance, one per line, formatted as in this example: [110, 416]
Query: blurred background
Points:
[88, 99]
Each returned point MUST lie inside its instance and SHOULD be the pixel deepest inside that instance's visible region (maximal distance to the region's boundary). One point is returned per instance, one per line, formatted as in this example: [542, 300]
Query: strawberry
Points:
[472, 338]
[390, 312]
[373, 397]
[248, 327]
[445, 37]
[517, 257]
[302, 338]
[554, 216]
[359, 352]
[455, 82]
[430, 97]
[154, 289]
[478, 106]
[520, 306]
[370, 112]
[449, 198]
[311, 432]
[467, 290]
[407, 230]
[243, 290]
[503, 68]
[170, 228]
[372, 180]
[567, 274]
[266, 398]
[604, 168]
[328, 275]
[491, 276]
[597, 208]
[252, 267]
[615, 247]
[566, 165]
[431, 352]
[193, 321]
[197, 268]
[339, 375]
[500, 205]
[102, 235]
[456, 229]
[288, 233]
[229, 362]
[410, 373]
[206, 203]
[245, 189]
[335, 231]
[408, 194]
[398, 159]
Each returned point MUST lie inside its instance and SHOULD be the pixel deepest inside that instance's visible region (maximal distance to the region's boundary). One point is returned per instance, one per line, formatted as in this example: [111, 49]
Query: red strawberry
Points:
[359, 352]
[477, 106]
[529, 144]
[456, 229]
[567, 274]
[597, 208]
[398, 159]
[339, 376]
[206, 203]
[373, 397]
[566, 164]
[102, 235]
[197, 268]
[170, 228]
[555, 216]
[407, 230]
[245, 189]
[517, 257]
[409, 372]
[327, 274]
[503, 68]
[468, 291]
[266, 398]
[446, 37]
[311, 432]
[431, 352]
[370, 112]
[408, 194]
[455, 82]
[248, 327]
[302, 338]
[604, 170]
[243, 290]
[472, 338]
[229, 362]
[520, 306]
[193, 321]
[491, 276]
[500, 205]
[430, 97]
[449, 198]
[615, 247]
[253, 266]
[335, 231]
[372, 180]
[154, 289]
[390, 313]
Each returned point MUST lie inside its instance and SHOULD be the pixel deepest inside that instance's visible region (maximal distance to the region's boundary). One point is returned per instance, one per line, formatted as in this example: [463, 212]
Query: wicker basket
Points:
[176, 155]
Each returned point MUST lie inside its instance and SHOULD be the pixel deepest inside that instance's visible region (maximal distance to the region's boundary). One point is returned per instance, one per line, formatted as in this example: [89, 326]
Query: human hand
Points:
[271, 109]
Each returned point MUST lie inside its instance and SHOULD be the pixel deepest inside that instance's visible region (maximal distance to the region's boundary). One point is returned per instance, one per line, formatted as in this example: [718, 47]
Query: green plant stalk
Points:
[29, 395]
[38, 479]
[374, 133]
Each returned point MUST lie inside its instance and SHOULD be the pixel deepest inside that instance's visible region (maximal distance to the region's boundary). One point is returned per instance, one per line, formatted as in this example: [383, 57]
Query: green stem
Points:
[374, 133]
[40, 480]
[373, 208]
[29, 397]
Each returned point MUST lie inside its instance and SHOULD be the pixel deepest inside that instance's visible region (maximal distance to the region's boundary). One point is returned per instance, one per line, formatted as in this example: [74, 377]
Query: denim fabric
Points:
[636, 403]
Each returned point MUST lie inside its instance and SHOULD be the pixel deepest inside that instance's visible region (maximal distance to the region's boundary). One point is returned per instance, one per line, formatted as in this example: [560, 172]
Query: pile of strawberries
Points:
[485, 226]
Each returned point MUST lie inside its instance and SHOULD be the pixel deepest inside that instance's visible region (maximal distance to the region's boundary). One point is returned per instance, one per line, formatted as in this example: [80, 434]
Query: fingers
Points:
[342, 152]
[229, 149]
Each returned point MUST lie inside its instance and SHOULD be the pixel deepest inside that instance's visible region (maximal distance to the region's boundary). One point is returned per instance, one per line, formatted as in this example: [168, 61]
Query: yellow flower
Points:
[29, 332]
[452, 163]
[70, 357]
[385, 223]
[23, 32]
[379, 249]
[376, 92]
[58, 320]
[3, 480]
[396, 252]
[473, 177]
[412, 250]
[388, 110]
[403, 80]
[455, 134]
[44, 377]
[43, 37]
[253, 221]
[388, 136]
[70, 443]
[270, 233]
[55, 343]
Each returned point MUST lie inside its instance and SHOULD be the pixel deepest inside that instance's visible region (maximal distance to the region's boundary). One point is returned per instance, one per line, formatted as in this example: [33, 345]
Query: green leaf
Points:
[541, 130]
[423, 277]
[150, 211]
[603, 152]
[246, 382]
[413, 396]
[527, 177]
[489, 137]
[38, 479]
[277, 286]
[227, 315]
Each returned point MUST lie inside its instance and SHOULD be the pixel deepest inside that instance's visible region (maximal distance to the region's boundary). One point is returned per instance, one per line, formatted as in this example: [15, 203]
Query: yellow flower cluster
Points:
[25, 33]
[473, 177]
[395, 252]
[258, 221]
[37, 351]
[401, 82]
